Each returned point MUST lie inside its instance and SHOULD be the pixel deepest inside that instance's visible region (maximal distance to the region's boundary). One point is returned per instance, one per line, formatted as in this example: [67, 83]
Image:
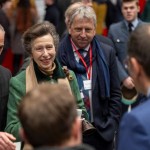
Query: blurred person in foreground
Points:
[40, 41]
[5, 75]
[60, 131]
[135, 126]
[95, 67]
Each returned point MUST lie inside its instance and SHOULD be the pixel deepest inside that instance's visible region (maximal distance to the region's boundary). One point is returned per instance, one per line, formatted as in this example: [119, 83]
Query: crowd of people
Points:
[107, 78]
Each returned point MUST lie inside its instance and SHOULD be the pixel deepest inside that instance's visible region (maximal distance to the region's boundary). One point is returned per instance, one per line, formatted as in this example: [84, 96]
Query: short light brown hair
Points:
[139, 46]
[39, 30]
[47, 114]
[125, 1]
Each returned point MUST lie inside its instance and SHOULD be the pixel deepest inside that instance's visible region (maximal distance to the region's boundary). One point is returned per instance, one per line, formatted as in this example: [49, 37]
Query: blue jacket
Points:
[135, 129]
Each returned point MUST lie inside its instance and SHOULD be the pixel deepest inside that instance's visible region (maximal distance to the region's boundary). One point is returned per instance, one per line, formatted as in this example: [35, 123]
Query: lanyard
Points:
[83, 61]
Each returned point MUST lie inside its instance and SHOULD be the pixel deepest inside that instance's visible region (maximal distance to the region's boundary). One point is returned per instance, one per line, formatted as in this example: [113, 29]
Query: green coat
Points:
[17, 90]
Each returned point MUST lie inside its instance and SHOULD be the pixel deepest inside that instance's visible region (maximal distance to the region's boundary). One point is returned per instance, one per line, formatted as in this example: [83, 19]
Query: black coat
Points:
[5, 76]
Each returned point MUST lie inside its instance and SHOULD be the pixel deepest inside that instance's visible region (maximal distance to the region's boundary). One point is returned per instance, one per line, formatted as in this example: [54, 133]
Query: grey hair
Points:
[84, 12]
[69, 11]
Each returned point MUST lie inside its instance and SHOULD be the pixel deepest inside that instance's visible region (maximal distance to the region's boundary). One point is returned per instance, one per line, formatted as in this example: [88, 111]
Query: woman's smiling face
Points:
[43, 51]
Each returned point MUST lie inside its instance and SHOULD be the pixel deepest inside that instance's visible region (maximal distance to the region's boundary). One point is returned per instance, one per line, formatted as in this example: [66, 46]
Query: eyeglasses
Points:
[41, 48]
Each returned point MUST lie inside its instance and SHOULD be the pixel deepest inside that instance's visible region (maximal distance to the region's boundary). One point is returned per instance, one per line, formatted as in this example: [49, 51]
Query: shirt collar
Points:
[134, 23]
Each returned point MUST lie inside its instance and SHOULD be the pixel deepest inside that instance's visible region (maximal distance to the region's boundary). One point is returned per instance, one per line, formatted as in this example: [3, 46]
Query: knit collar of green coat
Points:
[57, 74]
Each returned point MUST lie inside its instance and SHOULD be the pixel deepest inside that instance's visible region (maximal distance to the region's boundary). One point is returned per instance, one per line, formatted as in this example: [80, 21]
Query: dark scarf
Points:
[58, 72]
[66, 58]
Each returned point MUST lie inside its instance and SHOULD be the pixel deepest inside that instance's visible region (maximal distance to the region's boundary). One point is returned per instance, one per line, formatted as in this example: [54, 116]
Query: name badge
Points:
[87, 84]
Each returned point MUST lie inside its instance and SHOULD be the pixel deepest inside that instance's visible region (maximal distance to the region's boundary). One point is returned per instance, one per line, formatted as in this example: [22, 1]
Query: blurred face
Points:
[2, 35]
[43, 52]
[82, 31]
[130, 10]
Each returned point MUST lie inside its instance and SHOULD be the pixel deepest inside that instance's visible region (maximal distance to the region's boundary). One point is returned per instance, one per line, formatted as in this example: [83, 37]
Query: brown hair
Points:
[125, 1]
[45, 113]
[139, 46]
[39, 30]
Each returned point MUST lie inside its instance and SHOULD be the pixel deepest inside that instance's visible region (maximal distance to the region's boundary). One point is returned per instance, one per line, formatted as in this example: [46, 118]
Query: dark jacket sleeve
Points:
[5, 76]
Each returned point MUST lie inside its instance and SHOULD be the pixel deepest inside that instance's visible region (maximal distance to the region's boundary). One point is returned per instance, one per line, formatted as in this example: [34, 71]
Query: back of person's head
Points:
[128, 1]
[47, 115]
[139, 46]
[39, 30]
[84, 12]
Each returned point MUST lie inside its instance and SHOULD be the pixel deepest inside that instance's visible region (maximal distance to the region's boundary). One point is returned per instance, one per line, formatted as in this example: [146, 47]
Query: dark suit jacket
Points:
[106, 111]
[119, 34]
[135, 129]
[5, 75]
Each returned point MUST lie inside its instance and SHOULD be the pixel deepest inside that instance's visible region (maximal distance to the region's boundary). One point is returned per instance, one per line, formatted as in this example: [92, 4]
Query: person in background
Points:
[47, 133]
[5, 22]
[135, 126]
[41, 42]
[95, 67]
[119, 33]
[52, 13]
[114, 14]
[23, 15]
[62, 6]
[6, 139]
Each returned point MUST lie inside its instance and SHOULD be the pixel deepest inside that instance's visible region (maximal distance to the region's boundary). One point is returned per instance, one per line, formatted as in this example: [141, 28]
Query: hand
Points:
[6, 141]
[128, 83]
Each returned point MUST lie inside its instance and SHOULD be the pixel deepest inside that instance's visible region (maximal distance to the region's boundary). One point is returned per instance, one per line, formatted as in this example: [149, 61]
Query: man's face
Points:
[130, 11]
[2, 34]
[82, 31]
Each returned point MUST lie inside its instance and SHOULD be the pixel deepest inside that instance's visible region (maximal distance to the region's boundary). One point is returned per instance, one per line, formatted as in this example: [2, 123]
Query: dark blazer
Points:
[5, 76]
[119, 34]
[111, 113]
[106, 112]
[135, 129]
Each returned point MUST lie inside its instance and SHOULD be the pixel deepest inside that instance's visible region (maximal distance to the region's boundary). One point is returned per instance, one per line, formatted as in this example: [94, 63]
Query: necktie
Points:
[130, 25]
[85, 92]
[81, 51]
